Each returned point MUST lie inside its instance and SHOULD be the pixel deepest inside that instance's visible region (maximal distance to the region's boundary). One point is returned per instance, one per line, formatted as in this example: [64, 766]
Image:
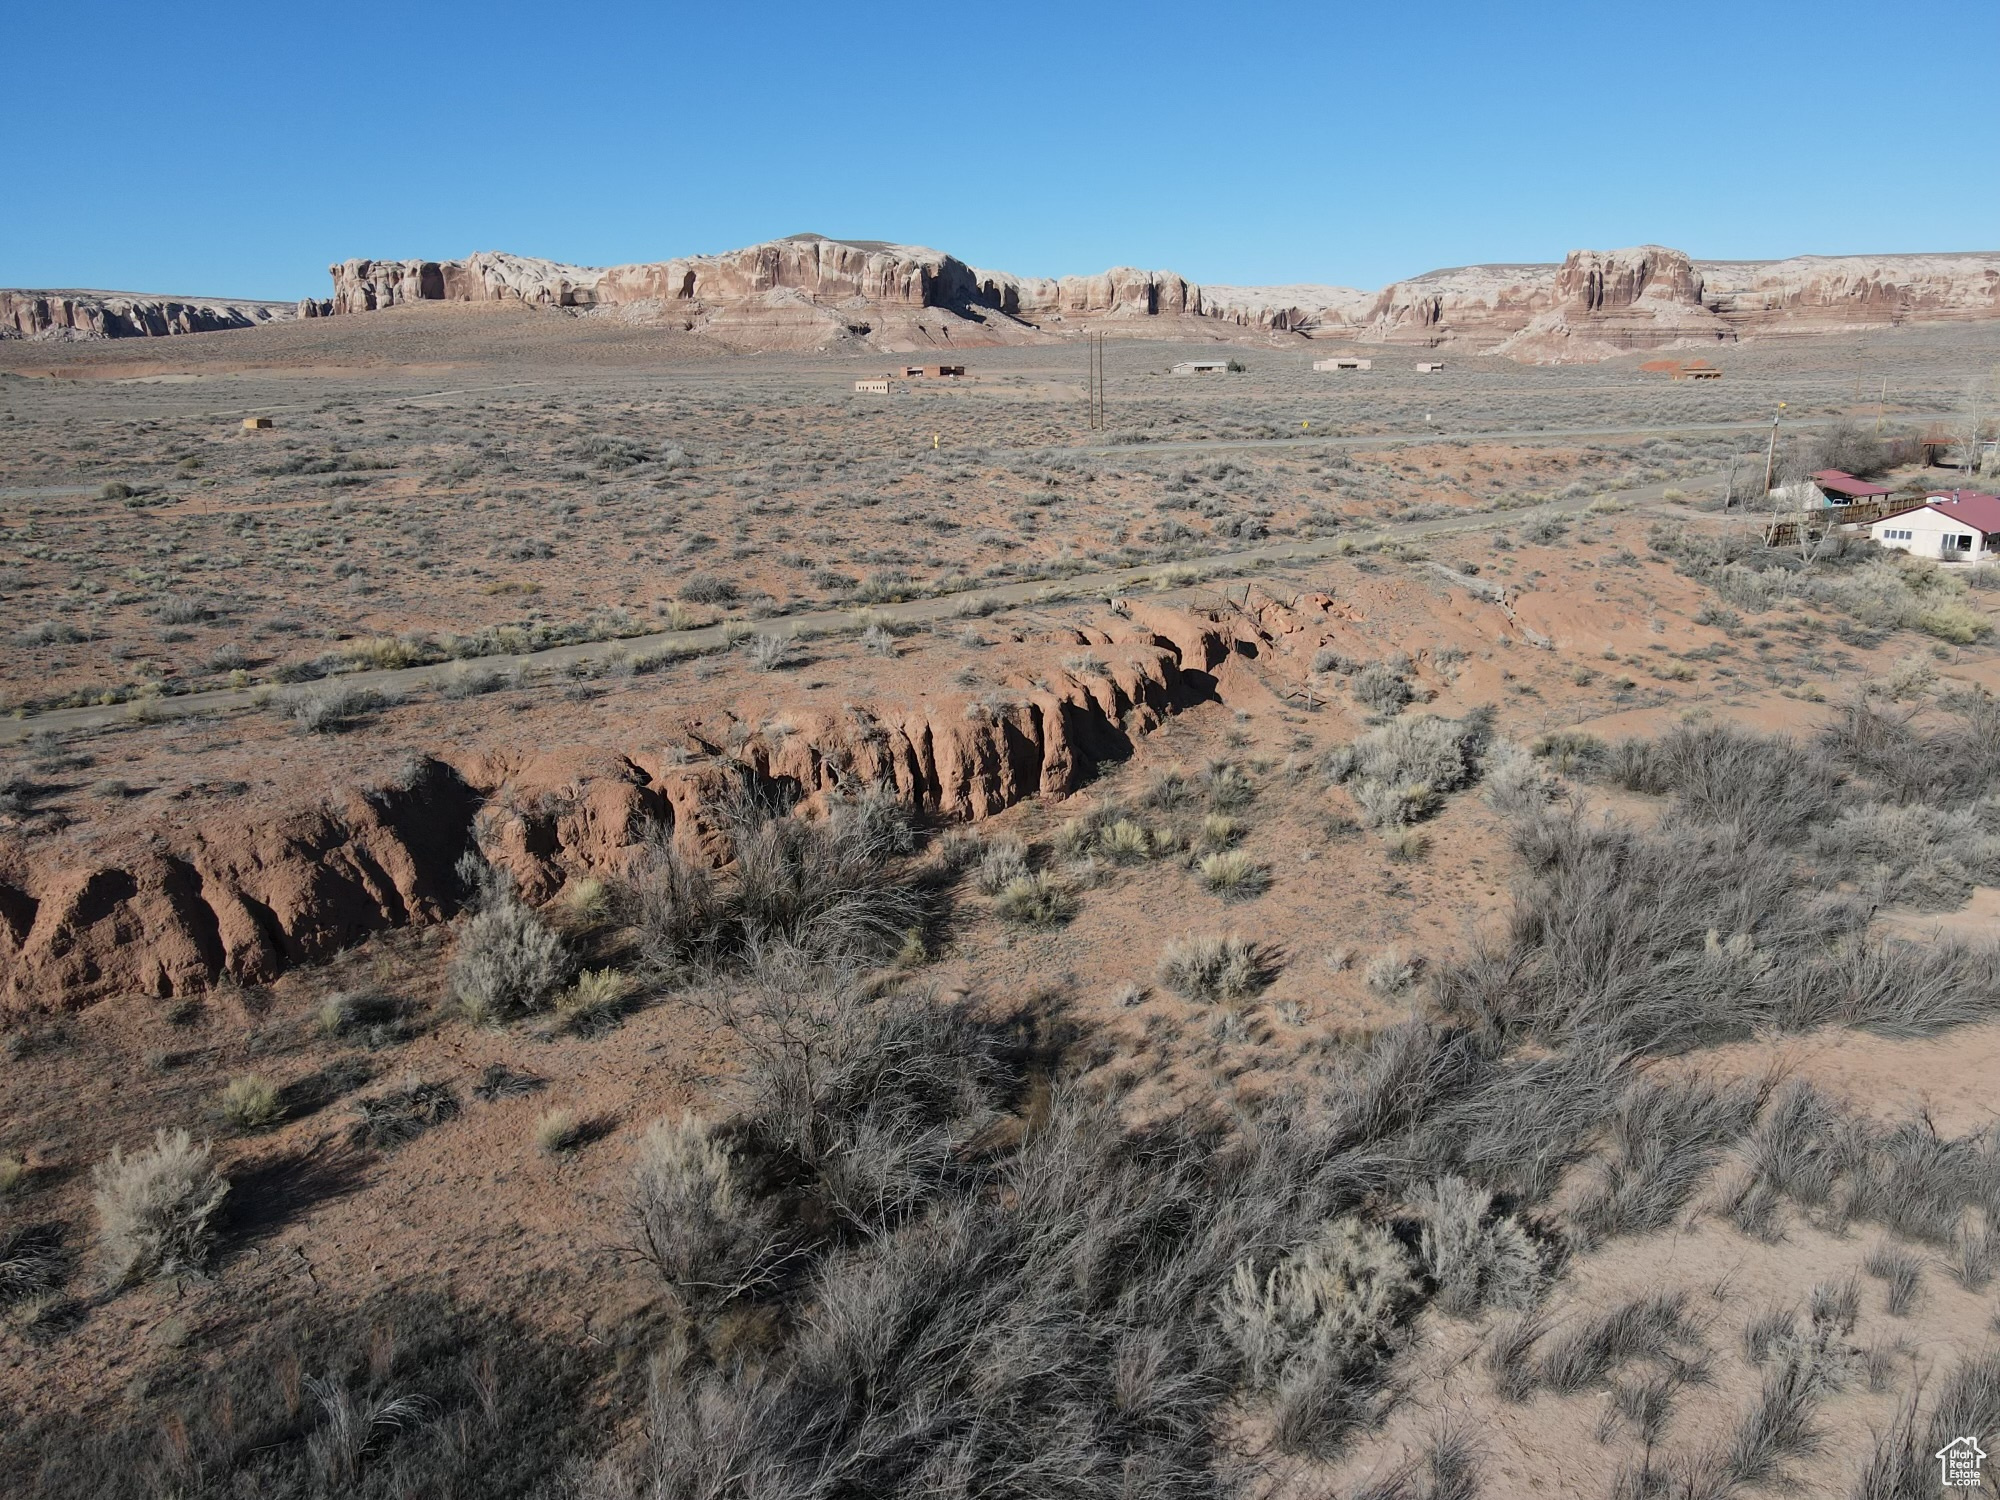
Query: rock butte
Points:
[808, 290]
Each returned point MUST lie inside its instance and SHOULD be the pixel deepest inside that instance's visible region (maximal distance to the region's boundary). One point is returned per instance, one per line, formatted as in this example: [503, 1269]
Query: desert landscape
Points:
[590, 908]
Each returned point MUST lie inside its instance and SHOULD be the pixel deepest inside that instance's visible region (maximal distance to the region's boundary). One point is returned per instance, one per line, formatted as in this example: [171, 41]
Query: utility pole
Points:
[1771, 452]
[1096, 382]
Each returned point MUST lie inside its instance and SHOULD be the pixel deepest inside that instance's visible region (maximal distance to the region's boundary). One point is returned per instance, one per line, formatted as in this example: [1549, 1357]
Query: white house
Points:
[1343, 362]
[1963, 526]
[1203, 367]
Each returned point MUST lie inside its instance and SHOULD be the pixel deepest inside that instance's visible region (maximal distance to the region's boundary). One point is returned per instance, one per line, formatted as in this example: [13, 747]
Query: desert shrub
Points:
[1476, 1258]
[708, 588]
[365, 1013]
[1948, 759]
[13, 1172]
[696, 1223]
[771, 652]
[1213, 969]
[156, 1208]
[509, 963]
[1400, 772]
[1320, 1314]
[1514, 779]
[250, 1103]
[1972, 1255]
[1391, 970]
[1037, 900]
[821, 889]
[1005, 861]
[1379, 689]
[330, 709]
[1902, 1465]
[1125, 842]
[1234, 875]
[1219, 831]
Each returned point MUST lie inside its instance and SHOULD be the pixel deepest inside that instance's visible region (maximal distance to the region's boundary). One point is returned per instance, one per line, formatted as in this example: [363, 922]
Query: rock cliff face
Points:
[153, 916]
[118, 315]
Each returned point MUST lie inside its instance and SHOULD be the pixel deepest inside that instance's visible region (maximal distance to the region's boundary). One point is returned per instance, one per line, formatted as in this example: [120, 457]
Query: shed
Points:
[1430, 368]
[1695, 369]
[873, 387]
[937, 372]
[1960, 527]
[1202, 367]
[1344, 362]
[1838, 487]
[256, 424]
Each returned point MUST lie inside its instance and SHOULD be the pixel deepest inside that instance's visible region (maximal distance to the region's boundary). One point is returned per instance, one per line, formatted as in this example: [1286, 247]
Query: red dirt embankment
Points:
[153, 914]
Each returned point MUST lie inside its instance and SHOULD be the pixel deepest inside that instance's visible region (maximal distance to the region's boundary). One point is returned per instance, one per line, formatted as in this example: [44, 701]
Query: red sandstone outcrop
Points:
[117, 315]
[159, 916]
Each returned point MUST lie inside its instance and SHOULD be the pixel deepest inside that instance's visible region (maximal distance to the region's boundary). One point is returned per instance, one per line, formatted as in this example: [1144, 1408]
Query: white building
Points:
[1343, 362]
[1203, 367]
[1963, 526]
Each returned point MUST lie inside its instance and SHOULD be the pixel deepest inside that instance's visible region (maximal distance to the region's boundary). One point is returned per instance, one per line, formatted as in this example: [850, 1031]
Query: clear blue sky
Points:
[237, 149]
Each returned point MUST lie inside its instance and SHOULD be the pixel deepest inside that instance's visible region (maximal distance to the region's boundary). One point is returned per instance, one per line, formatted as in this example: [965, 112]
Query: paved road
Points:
[846, 620]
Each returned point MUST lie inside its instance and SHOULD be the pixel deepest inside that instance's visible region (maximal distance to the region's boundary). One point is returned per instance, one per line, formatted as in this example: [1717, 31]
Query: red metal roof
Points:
[1843, 483]
[1975, 508]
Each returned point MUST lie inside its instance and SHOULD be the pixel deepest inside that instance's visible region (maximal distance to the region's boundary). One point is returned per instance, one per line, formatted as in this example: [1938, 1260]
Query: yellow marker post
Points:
[934, 438]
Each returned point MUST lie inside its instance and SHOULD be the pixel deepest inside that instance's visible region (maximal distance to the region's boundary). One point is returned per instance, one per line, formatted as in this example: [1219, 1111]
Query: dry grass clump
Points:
[1213, 969]
[558, 1131]
[596, 1002]
[1664, 1140]
[1037, 900]
[1125, 842]
[1902, 1276]
[250, 1102]
[13, 1172]
[1234, 875]
[402, 1114]
[1228, 788]
[156, 1208]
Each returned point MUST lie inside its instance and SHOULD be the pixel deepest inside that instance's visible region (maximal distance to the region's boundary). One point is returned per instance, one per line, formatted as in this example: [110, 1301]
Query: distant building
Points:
[1430, 368]
[1204, 367]
[256, 424]
[940, 372]
[1344, 362]
[1682, 369]
[873, 387]
[1833, 487]
[1963, 526]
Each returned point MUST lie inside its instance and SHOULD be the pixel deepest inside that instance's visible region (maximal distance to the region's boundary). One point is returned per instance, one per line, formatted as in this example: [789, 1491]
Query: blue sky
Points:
[237, 149]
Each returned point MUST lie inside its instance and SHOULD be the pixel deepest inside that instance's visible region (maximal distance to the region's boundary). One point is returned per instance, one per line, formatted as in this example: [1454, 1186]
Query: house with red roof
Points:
[1963, 526]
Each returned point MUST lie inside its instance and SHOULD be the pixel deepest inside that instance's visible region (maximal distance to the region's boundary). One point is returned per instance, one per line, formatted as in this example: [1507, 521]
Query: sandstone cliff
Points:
[117, 315]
